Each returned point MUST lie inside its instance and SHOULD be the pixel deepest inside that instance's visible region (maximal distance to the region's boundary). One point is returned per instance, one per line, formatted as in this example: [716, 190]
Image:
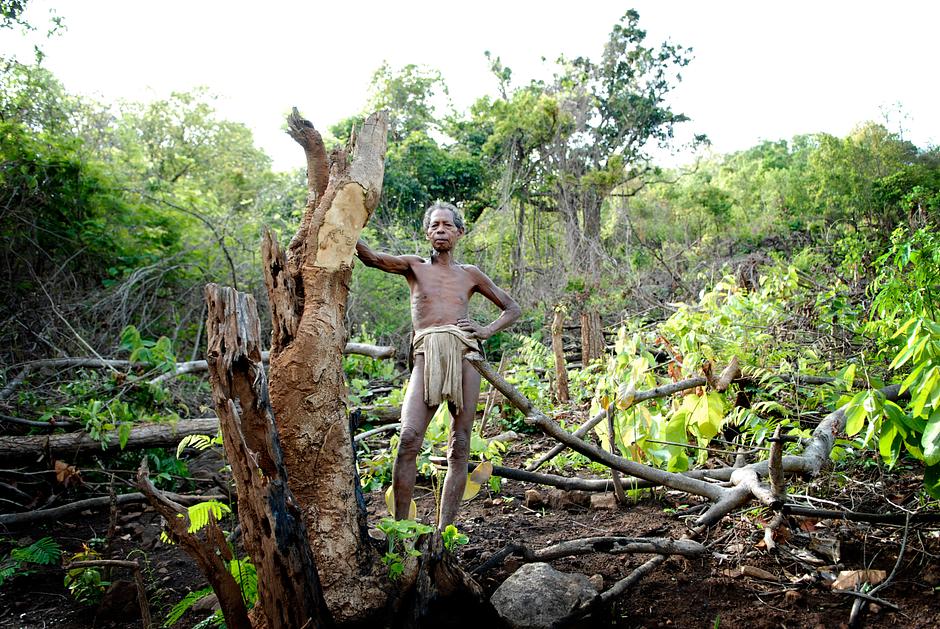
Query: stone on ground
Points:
[536, 596]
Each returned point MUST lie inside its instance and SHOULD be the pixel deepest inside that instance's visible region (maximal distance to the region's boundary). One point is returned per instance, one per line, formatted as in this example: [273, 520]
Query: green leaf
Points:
[848, 376]
[176, 612]
[124, 433]
[855, 414]
[200, 442]
[706, 414]
[932, 480]
[889, 443]
[930, 441]
[199, 513]
[925, 390]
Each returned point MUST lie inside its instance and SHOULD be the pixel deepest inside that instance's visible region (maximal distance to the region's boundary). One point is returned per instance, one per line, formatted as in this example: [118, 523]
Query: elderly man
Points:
[440, 294]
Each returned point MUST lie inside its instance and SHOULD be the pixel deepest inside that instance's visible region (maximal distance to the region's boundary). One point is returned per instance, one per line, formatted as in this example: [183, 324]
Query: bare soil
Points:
[793, 592]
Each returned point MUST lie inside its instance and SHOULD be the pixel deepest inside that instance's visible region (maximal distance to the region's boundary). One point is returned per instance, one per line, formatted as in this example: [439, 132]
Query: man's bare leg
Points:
[458, 446]
[415, 417]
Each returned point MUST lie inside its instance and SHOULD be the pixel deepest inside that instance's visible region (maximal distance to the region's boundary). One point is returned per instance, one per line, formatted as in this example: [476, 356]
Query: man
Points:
[440, 293]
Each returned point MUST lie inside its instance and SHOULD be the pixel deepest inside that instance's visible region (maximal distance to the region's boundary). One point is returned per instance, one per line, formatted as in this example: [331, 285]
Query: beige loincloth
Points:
[443, 347]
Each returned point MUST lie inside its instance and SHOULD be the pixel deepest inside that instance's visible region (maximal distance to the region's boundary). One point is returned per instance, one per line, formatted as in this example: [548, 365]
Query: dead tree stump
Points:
[272, 527]
[308, 285]
[592, 337]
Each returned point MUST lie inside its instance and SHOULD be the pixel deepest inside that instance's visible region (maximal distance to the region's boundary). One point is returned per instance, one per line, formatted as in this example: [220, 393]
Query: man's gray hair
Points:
[441, 205]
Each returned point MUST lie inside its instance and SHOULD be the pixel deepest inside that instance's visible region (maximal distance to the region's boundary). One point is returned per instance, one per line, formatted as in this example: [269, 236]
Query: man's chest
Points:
[451, 284]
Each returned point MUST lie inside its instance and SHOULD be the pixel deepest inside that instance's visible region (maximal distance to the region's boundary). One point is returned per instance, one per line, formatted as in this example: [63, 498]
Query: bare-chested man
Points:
[440, 294]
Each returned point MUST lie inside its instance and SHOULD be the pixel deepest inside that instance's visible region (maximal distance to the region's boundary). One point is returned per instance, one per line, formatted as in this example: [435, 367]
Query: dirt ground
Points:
[792, 590]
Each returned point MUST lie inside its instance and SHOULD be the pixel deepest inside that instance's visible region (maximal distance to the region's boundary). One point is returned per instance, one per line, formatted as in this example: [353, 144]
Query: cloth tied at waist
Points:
[443, 347]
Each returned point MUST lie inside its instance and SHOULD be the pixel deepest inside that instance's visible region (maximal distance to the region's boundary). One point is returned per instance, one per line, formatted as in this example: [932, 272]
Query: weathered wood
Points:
[63, 511]
[272, 527]
[551, 428]
[206, 553]
[73, 443]
[308, 285]
[592, 336]
[197, 366]
[561, 370]
[814, 457]
[179, 369]
[443, 591]
[640, 396]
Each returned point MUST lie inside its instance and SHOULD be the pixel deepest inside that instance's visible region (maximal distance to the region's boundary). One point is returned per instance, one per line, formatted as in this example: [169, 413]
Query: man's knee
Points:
[410, 442]
[458, 449]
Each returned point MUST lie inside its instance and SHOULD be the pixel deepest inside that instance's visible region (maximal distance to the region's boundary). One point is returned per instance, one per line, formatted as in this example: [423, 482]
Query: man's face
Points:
[442, 232]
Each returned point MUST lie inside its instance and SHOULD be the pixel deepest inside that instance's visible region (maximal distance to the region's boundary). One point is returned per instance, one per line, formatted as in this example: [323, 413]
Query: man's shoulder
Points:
[475, 272]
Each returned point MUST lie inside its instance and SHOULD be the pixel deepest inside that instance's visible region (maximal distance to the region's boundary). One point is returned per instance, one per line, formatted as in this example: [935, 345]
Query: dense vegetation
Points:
[816, 255]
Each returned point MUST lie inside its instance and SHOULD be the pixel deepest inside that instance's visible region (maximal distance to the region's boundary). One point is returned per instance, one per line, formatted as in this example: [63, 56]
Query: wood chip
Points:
[851, 579]
[750, 571]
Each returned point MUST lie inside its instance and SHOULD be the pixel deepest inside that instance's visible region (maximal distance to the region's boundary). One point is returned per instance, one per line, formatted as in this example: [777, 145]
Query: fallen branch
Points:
[898, 519]
[141, 436]
[551, 428]
[208, 554]
[746, 480]
[63, 511]
[731, 373]
[616, 545]
[613, 545]
[193, 366]
[52, 423]
[562, 482]
[640, 396]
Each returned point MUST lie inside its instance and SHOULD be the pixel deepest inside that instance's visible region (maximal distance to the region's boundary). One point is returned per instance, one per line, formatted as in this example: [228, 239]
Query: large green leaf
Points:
[706, 414]
[931, 440]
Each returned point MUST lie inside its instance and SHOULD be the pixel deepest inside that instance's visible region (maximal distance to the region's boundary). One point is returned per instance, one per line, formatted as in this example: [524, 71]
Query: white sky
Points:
[762, 69]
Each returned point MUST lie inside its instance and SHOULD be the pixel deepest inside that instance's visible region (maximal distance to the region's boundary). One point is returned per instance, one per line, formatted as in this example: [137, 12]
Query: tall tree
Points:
[595, 131]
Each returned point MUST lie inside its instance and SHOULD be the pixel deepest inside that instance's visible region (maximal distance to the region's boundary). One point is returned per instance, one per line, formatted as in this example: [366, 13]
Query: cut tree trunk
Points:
[561, 369]
[308, 287]
[592, 337]
[272, 527]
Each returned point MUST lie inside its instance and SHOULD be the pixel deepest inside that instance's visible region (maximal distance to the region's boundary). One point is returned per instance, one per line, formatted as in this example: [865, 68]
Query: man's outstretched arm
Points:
[510, 309]
[384, 261]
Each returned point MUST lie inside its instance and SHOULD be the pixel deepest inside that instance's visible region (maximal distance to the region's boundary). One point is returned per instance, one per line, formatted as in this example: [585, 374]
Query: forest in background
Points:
[814, 255]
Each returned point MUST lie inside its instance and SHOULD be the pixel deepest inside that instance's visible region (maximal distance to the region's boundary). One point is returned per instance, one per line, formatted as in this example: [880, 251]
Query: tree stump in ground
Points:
[307, 288]
[272, 528]
[592, 336]
[558, 349]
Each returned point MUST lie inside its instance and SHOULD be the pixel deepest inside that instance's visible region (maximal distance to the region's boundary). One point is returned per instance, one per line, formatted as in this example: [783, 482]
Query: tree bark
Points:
[558, 348]
[73, 443]
[272, 526]
[592, 337]
[307, 287]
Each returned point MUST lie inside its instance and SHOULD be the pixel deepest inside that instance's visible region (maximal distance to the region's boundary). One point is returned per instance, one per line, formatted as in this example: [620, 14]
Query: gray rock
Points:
[207, 604]
[536, 596]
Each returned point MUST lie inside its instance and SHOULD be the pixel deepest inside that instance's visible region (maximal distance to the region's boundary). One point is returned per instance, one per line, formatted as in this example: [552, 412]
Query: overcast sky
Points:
[762, 70]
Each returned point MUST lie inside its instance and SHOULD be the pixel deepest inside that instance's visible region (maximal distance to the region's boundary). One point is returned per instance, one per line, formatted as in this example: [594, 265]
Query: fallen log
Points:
[69, 444]
[101, 502]
[746, 483]
[614, 545]
[192, 366]
[195, 366]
